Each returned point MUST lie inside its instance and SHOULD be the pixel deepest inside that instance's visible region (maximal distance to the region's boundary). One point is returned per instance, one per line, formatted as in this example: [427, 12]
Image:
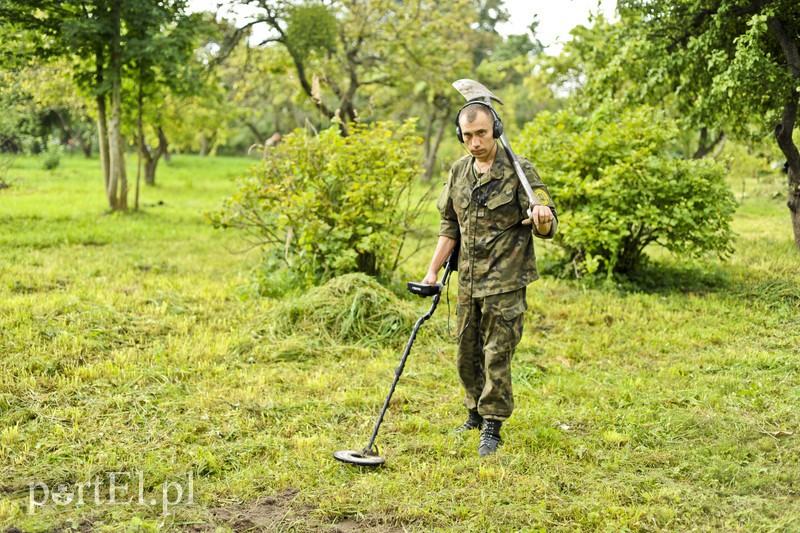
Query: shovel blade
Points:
[472, 90]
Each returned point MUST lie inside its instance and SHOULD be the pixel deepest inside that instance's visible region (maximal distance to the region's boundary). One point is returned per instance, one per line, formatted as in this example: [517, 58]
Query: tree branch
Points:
[702, 15]
[788, 45]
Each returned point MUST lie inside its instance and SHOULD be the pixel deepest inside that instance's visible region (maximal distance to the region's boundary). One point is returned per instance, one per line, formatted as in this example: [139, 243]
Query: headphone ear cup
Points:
[498, 128]
[458, 127]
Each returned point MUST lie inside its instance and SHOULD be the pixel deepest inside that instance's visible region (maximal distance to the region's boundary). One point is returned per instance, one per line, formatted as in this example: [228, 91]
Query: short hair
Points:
[470, 111]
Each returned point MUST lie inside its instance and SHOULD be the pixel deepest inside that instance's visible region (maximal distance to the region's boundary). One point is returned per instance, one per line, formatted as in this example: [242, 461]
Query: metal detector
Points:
[369, 455]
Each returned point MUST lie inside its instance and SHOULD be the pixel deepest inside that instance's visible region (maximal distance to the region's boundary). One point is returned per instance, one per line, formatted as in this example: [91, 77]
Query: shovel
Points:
[476, 92]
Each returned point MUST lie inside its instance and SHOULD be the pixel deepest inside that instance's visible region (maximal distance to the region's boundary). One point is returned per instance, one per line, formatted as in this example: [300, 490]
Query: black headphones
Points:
[497, 127]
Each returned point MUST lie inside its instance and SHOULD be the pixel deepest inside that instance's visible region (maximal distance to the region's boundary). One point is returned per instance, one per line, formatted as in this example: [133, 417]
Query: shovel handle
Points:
[520, 173]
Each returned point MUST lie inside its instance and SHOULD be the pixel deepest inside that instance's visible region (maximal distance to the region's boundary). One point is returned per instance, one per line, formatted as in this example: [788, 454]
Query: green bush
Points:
[620, 187]
[328, 205]
[51, 158]
[5, 164]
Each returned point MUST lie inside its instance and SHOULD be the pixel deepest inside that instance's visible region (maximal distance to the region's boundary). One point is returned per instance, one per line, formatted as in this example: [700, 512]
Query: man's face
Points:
[478, 134]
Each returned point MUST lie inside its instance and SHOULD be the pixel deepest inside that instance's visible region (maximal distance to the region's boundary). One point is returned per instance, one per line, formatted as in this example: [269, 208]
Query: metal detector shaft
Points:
[448, 269]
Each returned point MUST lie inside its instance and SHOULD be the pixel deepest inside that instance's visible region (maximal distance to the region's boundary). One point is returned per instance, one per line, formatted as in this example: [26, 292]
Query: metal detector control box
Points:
[423, 290]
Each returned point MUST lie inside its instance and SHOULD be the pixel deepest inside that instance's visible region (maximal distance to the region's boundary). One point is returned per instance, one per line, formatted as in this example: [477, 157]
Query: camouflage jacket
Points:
[496, 253]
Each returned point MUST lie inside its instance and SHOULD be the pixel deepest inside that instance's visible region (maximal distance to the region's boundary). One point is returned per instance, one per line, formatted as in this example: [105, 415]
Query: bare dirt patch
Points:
[281, 513]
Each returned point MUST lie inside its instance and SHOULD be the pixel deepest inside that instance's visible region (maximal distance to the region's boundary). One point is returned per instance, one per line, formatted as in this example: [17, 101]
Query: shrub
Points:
[51, 158]
[620, 187]
[328, 205]
[5, 164]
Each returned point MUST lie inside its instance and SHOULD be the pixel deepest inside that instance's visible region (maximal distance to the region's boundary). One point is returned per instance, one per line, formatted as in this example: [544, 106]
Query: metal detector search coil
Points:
[362, 458]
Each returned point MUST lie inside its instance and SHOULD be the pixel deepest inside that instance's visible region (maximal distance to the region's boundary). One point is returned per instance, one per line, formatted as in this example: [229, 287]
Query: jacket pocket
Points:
[460, 205]
[503, 210]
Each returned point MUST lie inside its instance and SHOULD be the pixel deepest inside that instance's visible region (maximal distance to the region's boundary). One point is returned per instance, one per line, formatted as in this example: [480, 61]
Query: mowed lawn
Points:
[147, 385]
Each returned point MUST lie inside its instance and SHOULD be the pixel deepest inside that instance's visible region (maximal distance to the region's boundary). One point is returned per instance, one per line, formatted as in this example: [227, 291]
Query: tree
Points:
[359, 59]
[159, 49]
[99, 38]
[736, 62]
[40, 100]
[311, 31]
[610, 61]
[428, 58]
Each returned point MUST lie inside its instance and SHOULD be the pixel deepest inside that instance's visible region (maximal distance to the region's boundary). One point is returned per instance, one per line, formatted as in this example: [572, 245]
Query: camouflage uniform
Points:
[496, 263]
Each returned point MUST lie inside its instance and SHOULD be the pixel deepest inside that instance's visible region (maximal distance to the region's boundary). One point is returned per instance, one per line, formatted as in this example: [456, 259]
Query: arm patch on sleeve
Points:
[542, 196]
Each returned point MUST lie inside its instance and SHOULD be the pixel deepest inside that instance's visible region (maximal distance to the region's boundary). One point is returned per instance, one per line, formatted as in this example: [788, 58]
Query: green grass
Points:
[136, 343]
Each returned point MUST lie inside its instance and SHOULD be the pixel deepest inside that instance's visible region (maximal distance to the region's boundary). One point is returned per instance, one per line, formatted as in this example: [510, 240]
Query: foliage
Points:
[619, 188]
[329, 204]
[608, 61]
[511, 59]
[51, 158]
[311, 27]
[40, 102]
[248, 97]
[734, 65]
[17, 117]
[379, 59]
[722, 63]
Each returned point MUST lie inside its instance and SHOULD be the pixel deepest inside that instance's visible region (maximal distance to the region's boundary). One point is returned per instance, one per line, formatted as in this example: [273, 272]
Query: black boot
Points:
[490, 437]
[475, 421]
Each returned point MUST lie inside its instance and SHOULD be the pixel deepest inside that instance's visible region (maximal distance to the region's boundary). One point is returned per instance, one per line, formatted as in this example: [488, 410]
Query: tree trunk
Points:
[784, 129]
[102, 127]
[104, 149]
[431, 151]
[426, 139]
[118, 183]
[139, 138]
[116, 145]
[163, 149]
[260, 138]
[66, 131]
[151, 157]
[794, 203]
[783, 135]
[705, 145]
[86, 145]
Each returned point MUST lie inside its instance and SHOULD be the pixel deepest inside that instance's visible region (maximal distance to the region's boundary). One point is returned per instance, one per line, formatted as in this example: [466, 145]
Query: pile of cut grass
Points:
[352, 309]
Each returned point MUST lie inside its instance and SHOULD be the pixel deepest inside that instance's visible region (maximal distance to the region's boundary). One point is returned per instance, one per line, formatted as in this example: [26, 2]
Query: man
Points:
[484, 210]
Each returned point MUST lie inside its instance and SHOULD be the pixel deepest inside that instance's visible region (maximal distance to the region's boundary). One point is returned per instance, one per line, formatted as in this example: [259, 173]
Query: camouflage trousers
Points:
[489, 330]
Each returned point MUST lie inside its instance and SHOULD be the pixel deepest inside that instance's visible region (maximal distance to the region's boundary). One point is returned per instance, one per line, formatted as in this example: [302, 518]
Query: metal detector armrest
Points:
[423, 289]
